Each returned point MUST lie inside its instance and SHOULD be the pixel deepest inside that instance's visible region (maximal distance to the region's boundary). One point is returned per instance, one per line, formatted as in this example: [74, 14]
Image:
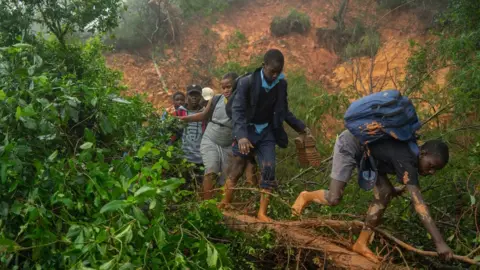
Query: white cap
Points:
[207, 93]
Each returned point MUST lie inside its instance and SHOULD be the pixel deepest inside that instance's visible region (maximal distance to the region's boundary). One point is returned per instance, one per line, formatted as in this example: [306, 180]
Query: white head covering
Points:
[207, 93]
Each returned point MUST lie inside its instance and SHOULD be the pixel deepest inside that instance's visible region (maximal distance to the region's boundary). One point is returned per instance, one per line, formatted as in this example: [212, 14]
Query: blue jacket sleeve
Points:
[290, 118]
[239, 109]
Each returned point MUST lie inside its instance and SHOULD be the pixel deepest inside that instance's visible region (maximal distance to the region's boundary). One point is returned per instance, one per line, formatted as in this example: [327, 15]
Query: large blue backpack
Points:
[381, 115]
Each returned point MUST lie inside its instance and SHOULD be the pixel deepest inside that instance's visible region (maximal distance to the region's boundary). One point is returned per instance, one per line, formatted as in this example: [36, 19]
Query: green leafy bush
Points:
[365, 45]
[296, 21]
[88, 180]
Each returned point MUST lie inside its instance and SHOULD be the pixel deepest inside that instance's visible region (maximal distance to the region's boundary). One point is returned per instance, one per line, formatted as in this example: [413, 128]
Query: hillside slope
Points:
[206, 45]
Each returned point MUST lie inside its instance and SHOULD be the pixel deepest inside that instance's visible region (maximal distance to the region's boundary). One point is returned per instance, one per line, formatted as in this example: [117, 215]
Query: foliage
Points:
[296, 21]
[15, 22]
[202, 8]
[144, 23]
[367, 45]
[456, 48]
[62, 17]
[88, 179]
[234, 44]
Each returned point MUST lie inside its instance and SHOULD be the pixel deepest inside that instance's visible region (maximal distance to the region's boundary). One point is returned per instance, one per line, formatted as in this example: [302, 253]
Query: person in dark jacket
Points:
[258, 111]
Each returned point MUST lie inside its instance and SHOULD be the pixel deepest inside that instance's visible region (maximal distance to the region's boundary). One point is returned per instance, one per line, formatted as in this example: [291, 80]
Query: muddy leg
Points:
[251, 172]
[330, 197]
[262, 211]
[236, 168]
[383, 193]
[208, 184]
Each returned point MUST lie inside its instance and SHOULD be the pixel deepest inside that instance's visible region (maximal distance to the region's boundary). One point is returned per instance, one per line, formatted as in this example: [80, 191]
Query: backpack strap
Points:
[213, 105]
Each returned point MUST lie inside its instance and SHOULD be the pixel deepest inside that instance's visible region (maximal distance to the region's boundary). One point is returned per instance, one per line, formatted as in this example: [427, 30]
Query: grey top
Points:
[191, 139]
[219, 130]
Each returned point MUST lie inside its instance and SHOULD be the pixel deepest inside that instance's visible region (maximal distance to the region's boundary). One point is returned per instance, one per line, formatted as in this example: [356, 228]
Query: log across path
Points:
[301, 235]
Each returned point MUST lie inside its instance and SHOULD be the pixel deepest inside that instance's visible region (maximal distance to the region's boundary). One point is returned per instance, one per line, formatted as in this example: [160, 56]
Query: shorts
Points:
[346, 154]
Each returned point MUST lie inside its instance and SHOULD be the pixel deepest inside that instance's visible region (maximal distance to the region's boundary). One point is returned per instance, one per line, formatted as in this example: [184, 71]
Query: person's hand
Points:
[244, 145]
[306, 131]
[444, 252]
[181, 118]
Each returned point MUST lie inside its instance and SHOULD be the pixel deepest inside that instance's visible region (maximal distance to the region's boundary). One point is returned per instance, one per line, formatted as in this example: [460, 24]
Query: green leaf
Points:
[53, 156]
[23, 46]
[7, 245]
[18, 113]
[114, 205]
[105, 125]
[172, 184]
[94, 101]
[212, 256]
[138, 214]
[124, 232]
[127, 266]
[29, 122]
[2, 95]
[143, 190]
[3, 173]
[108, 265]
[28, 111]
[153, 203]
[101, 236]
[159, 235]
[449, 239]
[477, 259]
[73, 113]
[80, 241]
[473, 201]
[86, 145]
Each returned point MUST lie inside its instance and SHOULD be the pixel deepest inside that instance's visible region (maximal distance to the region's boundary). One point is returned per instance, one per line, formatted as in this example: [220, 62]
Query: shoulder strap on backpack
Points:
[213, 105]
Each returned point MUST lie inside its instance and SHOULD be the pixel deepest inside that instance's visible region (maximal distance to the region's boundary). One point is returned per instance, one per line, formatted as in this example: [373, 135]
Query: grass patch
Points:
[366, 45]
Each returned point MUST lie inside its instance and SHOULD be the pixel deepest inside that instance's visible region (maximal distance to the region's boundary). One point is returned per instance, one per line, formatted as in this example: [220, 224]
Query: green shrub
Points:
[367, 45]
[296, 21]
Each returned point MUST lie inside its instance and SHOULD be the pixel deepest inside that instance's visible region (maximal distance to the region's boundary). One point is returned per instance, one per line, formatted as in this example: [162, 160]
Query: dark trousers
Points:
[264, 150]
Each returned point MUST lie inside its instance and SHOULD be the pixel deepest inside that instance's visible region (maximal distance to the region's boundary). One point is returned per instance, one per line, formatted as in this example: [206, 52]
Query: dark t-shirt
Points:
[395, 157]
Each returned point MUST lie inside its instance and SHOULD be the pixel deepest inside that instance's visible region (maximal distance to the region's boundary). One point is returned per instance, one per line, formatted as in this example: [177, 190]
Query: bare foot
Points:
[299, 204]
[264, 218]
[365, 252]
[224, 206]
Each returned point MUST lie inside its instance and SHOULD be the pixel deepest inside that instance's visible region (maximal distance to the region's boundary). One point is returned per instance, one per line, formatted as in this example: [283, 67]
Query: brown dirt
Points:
[191, 62]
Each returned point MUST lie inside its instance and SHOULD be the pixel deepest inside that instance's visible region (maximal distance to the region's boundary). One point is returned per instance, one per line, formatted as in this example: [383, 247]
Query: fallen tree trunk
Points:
[305, 239]
[356, 226]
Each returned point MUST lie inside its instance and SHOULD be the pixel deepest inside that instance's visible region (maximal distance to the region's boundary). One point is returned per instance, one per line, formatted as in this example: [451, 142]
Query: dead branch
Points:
[446, 107]
[401, 255]
[370, 74]
[423, 252]
[473, 252]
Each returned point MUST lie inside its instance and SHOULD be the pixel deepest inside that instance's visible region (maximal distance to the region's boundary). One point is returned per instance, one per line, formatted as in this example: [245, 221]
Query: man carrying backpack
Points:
[259, 107]
[380, 140]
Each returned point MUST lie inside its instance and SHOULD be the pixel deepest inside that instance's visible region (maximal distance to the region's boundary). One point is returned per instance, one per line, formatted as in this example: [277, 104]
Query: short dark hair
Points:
[437, 148]
[178, 93]
[231, 76]
[274, 56]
